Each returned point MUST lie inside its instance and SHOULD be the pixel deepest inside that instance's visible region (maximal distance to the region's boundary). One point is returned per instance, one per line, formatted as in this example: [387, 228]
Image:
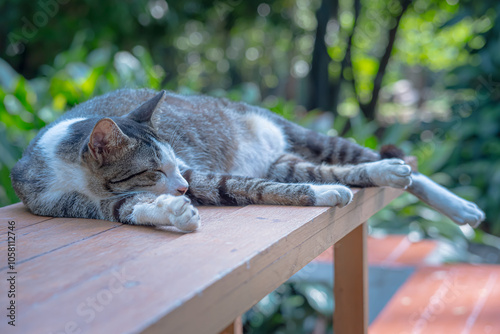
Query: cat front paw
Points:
[332, 195]
[393, 173]
[180, 212]
[169, 210]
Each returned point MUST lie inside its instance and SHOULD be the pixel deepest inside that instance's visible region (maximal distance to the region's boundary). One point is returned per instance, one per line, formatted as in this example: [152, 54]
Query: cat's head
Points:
[124, 154]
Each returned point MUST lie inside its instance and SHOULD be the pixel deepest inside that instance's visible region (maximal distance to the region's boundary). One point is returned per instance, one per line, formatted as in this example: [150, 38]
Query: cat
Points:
[148, 158]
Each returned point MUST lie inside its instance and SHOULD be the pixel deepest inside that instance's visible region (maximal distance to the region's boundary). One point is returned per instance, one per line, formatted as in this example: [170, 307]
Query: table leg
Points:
[236, 327]
[351, 283]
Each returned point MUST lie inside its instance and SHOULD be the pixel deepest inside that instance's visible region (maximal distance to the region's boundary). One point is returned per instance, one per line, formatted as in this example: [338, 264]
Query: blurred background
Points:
[422, 74]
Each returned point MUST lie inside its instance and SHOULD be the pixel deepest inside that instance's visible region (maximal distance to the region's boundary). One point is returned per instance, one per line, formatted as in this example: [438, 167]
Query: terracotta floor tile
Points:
[451, 299]
[392, 250]
[416, 253]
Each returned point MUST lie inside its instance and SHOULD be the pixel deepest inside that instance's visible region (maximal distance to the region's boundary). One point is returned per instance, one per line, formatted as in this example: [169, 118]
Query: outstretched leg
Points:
[457, 209]
[225, 189]
[391, 172]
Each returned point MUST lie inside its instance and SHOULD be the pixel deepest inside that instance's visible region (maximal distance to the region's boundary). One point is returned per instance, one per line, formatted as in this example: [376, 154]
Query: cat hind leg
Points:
[457, 209]
[388, 172]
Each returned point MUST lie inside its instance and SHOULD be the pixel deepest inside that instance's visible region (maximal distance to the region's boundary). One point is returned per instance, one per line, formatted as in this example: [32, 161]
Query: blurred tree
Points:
[322, 86]
[206, 44]
[475, 161]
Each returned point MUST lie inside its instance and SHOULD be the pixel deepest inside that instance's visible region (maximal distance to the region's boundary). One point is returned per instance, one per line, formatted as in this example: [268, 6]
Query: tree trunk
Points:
[369, 108]
[319, 83]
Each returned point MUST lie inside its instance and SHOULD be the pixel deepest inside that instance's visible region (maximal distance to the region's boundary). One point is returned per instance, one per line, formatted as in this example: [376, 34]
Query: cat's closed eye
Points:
[146, 178]
[150, 175]
[126, 178]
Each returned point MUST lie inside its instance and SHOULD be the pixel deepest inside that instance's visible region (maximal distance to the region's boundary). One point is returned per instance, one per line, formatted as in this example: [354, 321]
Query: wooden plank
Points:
[20, 214]
[197, 249]
[210, 214]
[133, 238]
[172, 278]
[96, 254]
[210, 280]
[54, 233]
[23, 218]
[327, 229]
[46, 236]
[351, 283]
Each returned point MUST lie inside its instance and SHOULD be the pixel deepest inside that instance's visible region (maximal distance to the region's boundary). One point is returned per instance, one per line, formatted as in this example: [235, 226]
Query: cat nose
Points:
[182, 190]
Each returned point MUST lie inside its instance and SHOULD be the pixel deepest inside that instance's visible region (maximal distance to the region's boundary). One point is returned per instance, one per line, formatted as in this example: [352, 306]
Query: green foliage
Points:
[292, 308]
[75, 76]
[202, 45]
[474, 162]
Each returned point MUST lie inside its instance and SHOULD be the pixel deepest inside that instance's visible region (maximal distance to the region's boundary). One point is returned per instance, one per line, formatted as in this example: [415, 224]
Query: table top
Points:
[93, 276]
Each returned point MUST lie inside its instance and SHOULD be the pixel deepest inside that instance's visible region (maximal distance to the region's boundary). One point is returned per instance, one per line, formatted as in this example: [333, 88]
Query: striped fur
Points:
[131, 155]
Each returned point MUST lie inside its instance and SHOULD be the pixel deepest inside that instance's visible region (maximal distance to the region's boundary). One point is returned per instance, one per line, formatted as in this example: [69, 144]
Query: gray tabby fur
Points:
[143, 157]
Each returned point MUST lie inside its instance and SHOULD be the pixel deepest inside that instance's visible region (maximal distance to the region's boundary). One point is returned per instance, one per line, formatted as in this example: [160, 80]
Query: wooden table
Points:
[90, 276]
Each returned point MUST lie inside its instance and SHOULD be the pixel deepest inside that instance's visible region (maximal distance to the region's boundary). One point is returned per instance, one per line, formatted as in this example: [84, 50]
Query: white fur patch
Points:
[332, 195]
[265, 145]
[67, 177]
[170, 168]
[389, 172]
[168, 153]
[168, 210]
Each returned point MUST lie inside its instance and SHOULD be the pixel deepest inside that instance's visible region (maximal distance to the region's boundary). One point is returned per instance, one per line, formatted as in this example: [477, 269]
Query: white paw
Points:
[332, 195]
[465, 212]
[390, 172]
[168, 210]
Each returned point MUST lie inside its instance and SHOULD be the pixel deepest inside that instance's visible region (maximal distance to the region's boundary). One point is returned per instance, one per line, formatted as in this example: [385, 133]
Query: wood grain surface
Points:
[90, 276]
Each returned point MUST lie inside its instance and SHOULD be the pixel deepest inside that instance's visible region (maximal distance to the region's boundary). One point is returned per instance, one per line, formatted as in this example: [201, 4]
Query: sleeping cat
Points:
[143, 157]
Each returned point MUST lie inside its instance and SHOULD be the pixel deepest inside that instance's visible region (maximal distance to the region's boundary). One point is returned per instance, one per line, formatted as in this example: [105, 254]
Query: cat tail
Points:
[390, 152]
[441, 199]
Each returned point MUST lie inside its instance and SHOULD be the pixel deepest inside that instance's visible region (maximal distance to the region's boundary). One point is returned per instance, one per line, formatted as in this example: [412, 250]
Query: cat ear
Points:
[144, 112]
[106, 140]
